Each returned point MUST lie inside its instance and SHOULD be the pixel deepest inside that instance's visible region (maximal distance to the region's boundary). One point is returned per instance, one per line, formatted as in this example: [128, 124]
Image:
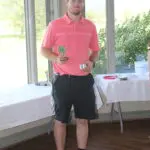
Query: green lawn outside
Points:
[13, 60]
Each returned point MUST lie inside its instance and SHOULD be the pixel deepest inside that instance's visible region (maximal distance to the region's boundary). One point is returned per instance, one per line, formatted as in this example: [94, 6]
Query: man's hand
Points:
[89, 66]
[61, 59]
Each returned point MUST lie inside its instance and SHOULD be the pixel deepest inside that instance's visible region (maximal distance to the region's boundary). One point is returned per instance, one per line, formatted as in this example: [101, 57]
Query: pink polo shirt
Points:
[78, 38]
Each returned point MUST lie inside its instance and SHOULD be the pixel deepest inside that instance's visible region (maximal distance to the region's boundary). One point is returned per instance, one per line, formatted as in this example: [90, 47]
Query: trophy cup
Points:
[62, 53]
[62, 50]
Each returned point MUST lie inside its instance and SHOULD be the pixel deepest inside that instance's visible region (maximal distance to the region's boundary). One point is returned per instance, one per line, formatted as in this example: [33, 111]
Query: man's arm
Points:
[49, 54]
[94, 46]
[93, 57]
[48, 43]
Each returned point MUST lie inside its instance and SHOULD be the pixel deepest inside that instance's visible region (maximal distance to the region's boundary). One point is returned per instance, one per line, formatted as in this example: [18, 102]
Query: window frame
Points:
[29, 8]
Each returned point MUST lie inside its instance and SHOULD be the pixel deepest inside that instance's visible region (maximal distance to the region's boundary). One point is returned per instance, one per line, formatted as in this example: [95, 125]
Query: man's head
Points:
[75, 7]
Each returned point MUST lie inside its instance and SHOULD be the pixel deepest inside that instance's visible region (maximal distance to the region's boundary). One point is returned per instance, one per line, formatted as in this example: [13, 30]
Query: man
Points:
[69, 42]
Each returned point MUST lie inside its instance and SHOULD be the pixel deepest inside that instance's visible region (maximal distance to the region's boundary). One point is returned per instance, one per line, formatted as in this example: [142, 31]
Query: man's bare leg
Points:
[60, 134]
[82, 133]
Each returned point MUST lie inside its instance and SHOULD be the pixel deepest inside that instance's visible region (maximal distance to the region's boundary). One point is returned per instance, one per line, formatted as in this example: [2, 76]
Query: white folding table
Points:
[115, 91]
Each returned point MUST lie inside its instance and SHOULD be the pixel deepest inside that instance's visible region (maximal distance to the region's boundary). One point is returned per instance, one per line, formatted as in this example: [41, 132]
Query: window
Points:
[95, 11]
[132, 28]
[13, 62]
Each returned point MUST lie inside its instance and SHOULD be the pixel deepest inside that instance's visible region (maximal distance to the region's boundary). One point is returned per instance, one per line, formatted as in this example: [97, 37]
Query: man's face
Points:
[75, 7]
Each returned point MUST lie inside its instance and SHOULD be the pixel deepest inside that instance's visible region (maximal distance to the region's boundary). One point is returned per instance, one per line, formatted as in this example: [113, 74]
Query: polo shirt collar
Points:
[68, 20]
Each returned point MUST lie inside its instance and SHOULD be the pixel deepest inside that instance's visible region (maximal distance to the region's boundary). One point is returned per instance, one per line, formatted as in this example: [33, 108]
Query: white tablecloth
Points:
[23, 105]
[136, 88]
[99, 101]
[27, 104]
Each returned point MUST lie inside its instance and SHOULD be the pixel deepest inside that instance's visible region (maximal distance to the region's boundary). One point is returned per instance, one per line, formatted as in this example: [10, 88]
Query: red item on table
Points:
[110, 77]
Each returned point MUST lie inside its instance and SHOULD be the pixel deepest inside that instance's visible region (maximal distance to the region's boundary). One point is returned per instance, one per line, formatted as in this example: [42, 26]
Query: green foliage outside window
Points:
[131, 38]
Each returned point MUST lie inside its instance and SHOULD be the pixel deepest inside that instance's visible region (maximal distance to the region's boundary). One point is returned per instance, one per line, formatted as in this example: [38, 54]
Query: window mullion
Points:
[31, 41]
[110, 34]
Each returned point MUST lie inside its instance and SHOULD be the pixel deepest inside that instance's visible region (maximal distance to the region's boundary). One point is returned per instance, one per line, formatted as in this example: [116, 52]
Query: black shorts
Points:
[76, 91]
